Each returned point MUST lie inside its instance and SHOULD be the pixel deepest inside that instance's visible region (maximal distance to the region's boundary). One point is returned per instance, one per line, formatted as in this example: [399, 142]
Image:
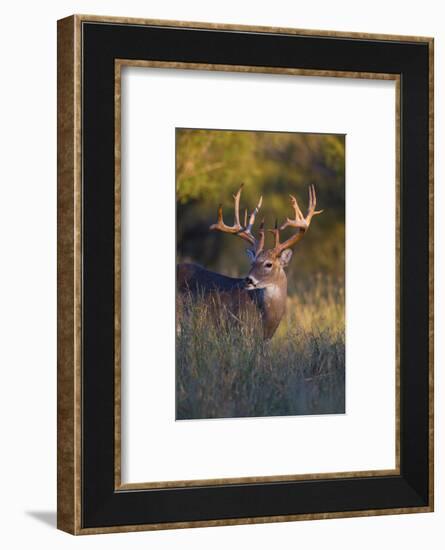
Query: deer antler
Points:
[300, 222]
[243, 231]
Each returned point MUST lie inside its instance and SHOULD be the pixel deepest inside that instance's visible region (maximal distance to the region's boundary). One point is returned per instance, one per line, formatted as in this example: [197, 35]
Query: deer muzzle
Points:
[250, 283]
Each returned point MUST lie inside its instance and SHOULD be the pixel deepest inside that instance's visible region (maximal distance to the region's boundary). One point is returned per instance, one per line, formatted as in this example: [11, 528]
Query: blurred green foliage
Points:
[211, 165]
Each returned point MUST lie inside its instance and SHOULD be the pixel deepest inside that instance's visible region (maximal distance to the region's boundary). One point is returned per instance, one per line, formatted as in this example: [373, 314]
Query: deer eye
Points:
[268, 264]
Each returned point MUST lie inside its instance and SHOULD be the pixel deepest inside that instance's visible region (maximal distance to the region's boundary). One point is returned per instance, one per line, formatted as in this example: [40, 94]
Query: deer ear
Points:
[285, 257]
[251, 255]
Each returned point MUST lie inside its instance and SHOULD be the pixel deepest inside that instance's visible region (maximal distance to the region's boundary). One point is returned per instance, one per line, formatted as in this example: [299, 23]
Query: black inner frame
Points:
[102, 505]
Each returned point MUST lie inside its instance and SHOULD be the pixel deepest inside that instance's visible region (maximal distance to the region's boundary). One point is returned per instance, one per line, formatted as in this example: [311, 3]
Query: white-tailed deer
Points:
[266, 283]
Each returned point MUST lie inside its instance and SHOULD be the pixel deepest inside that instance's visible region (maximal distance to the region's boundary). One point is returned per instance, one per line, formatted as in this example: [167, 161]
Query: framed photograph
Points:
[245, 274]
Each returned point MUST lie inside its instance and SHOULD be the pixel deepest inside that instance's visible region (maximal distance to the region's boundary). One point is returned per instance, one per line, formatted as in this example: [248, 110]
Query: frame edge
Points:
[114, 19]
[252, 521]
[431, 270]
[68, 276]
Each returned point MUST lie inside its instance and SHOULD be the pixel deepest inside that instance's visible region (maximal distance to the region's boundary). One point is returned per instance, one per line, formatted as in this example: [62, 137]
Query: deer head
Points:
[267, 265]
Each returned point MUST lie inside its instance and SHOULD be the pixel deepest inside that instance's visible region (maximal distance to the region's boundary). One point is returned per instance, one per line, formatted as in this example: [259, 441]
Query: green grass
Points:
[225, 369]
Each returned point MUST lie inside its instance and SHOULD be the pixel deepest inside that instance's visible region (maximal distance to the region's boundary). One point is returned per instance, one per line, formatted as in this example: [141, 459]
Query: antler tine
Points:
[276, 233]
[245, 232]
[220, 225]
[254, 213]
[300, 222]
[236, 198]
[220, 215]
[260, 243]
[248, 230]
[298, 213]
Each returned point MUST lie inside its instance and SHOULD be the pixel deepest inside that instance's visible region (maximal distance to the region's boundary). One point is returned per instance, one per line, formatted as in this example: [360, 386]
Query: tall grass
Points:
[225, 369]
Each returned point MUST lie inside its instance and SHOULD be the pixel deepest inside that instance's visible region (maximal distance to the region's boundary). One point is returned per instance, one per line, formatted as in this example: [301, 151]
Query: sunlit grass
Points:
[225, 369]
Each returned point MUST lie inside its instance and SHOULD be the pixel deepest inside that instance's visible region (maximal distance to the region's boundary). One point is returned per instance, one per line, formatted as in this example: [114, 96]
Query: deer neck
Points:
[274, 305]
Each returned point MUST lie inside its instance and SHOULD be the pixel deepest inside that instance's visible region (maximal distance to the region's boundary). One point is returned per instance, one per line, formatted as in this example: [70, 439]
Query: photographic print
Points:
[260, 312]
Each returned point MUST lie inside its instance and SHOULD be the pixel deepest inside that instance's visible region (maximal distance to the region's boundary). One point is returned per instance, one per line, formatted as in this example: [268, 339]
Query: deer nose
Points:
[249, 282]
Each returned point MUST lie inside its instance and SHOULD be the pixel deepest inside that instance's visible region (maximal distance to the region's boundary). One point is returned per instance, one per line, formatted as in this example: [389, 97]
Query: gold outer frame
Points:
[69, 224]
